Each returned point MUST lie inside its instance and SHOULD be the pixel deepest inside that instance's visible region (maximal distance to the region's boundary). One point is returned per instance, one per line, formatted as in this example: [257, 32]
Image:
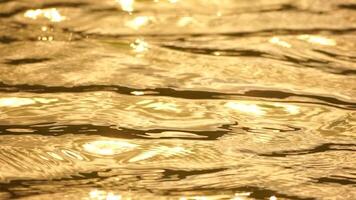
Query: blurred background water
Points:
[178, 99]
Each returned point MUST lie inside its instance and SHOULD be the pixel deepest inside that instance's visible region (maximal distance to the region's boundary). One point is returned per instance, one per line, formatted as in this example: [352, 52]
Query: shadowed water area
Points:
[178, 99]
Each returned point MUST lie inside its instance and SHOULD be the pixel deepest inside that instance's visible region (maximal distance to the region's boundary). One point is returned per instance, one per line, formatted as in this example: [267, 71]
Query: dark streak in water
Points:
[334, 55]
[348, 6]
[282, 95]
[273, 8]
[224, 52]
[14, 187]
[63, 4]
[182, 174]
[126, 133]
[337, 180]
[7, 39]
[263, 32]
[12, 13]
[291, 129]
[322, 65]
[318, 149]
[23, 61]
[170, 92]
[349, 72]
[263, 193]
[5, 1]
[255, 192]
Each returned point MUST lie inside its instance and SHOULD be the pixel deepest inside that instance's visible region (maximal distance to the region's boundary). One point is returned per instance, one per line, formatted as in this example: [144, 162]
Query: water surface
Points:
[178, 99]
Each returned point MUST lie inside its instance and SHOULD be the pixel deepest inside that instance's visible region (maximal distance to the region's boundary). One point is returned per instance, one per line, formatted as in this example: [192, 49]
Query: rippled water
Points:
[178, 99]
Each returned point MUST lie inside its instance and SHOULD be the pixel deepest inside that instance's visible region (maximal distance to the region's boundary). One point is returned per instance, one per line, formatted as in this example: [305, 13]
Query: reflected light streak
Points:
[144, 102]
[102, 195]
[173, 1]
[241, 196]
[126, 5]
[317, 40]
[161, 150]
[55, 156]
[184, 21]
[51, 14]
[138, 93]
[237, 198]
[144, 156]
[17, 101]
[291, 109]
[194, 198]
[44, 28]
[279, 42]
[108, 147]
[246, 108]
[21, 130]
[44, 100]
[138, 22]
[112, 196]
[44, 38]
[164, 106]
[139, 46]
[96, 194]
[273, 198]
[72, 154]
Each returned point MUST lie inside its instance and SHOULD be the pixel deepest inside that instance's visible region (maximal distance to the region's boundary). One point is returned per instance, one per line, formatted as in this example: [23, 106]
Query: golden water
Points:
[178, 99]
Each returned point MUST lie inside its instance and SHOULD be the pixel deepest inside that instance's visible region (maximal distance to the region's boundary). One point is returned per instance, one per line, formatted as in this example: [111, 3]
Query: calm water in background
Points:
[179, 99]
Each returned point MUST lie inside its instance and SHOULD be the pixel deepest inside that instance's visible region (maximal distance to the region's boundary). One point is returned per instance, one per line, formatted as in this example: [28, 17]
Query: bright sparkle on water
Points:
[139, 46]
[51, 14]
[317, 40]
[246, 108]
[277, 41]
[108, 147]
[138, 22]
[127, 5]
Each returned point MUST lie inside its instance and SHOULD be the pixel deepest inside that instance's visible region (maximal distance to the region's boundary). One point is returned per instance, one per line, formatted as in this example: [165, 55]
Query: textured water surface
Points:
[178, 99]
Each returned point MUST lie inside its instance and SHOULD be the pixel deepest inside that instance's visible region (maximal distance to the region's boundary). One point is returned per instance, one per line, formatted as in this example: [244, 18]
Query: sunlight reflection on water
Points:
[177, 99]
